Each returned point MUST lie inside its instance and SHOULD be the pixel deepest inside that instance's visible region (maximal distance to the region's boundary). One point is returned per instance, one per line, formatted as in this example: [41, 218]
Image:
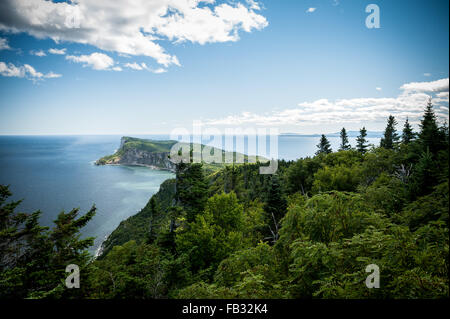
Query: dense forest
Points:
[308, 231]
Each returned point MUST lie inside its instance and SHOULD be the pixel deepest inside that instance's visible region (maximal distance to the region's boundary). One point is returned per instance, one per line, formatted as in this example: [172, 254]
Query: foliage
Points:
[309, 231]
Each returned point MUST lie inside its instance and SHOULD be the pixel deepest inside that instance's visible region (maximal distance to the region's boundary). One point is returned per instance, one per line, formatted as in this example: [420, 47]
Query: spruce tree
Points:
[33, 259]
[430, 135]
[390, 138]
[408, 134]
[361, 141]
[324, 146]
[191, 192]
[345, 145]
[152, 223]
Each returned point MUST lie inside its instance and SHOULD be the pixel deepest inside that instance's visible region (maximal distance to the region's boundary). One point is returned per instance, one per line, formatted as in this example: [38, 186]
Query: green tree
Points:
[408, 133]
[33, 259]
[191, 189]
[275, 209]
[152, 227]
[390, 138]
[324, 146]
[214, 234]
[345, 145]
[430, 136]
[361, 141]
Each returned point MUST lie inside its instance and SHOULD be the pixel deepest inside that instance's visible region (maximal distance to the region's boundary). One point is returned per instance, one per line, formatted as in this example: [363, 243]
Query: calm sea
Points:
[55, 173]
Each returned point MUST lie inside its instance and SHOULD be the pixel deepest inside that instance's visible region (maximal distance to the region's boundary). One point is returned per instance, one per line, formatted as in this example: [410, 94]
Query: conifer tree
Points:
[191, 190]
[430, 135]
[361, 141]
[408, 133]
[152, 223]
[324, 146]
[275, 208]
[390, 138]
[345, 145]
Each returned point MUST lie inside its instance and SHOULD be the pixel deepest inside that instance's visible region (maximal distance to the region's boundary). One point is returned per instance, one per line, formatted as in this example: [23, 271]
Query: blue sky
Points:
[271, 63]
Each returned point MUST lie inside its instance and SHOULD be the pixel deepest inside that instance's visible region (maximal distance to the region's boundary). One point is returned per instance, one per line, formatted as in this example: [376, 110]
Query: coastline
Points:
[100, 248]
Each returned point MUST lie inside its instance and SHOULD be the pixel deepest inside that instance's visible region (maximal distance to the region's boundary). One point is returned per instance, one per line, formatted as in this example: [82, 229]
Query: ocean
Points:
[56, 173]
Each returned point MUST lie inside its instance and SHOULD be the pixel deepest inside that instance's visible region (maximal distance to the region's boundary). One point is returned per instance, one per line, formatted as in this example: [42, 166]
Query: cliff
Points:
[152, 153]
[134, 151]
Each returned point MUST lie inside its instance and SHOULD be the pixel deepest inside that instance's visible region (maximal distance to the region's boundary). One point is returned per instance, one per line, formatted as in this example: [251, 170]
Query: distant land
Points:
[349, 134]
[156, 154]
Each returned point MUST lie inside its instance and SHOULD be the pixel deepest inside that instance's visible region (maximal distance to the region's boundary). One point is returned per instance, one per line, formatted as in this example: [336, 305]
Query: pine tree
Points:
[275, 208]
[430, 136]
[345, 145]
[361, 141]
[408, 134]
[324, 146]
[390, 138]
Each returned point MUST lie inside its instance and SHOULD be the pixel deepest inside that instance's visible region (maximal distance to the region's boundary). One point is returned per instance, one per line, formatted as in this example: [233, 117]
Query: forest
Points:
[308, 231]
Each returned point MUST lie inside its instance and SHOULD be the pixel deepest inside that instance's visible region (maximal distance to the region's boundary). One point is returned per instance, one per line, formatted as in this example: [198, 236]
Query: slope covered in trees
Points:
[307, 232]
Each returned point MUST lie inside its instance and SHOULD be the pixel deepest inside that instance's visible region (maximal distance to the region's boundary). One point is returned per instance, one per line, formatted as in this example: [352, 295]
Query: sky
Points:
[147, 67]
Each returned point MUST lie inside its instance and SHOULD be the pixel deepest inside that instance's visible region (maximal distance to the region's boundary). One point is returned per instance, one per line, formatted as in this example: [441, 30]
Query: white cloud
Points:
[356, 110]
[24, 71]
[52, 75]
[143, 66]
[434, 86]
[378, 89]
[310, 10]
[443, 95]
[96, 60]
[132, 27]
[4, 44]
[427, 74]
[39, 53]
[134, 66]
[254, 5]
[57, 51]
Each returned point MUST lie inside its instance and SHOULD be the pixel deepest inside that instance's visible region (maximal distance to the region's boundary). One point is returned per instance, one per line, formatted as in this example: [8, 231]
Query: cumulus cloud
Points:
[410, 103]
[39, 53]
[96, 60]
[57, 51]
[24, 71]
[310, 10]
[132, 27]
[378, 89]
[4, 44]
[434, 86]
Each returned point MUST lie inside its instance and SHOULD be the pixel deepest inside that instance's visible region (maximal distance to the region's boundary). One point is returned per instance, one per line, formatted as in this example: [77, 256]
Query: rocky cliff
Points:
[133, 151]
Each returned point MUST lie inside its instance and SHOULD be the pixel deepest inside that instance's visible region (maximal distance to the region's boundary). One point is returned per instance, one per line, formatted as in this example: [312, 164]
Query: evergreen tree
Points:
[430, 136]
[33, 259]
[390, 138]
[275, 209]
[152, 223]
[324, 146]
[408, 134]
[424, 177]
[345, 145]
[191, 192]
[361, 141]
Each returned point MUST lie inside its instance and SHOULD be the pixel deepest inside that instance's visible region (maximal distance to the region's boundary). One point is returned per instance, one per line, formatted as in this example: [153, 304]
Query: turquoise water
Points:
[55, 173]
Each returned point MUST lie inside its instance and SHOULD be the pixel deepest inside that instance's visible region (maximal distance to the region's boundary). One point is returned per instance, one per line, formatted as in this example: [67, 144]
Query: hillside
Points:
[156, 154]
